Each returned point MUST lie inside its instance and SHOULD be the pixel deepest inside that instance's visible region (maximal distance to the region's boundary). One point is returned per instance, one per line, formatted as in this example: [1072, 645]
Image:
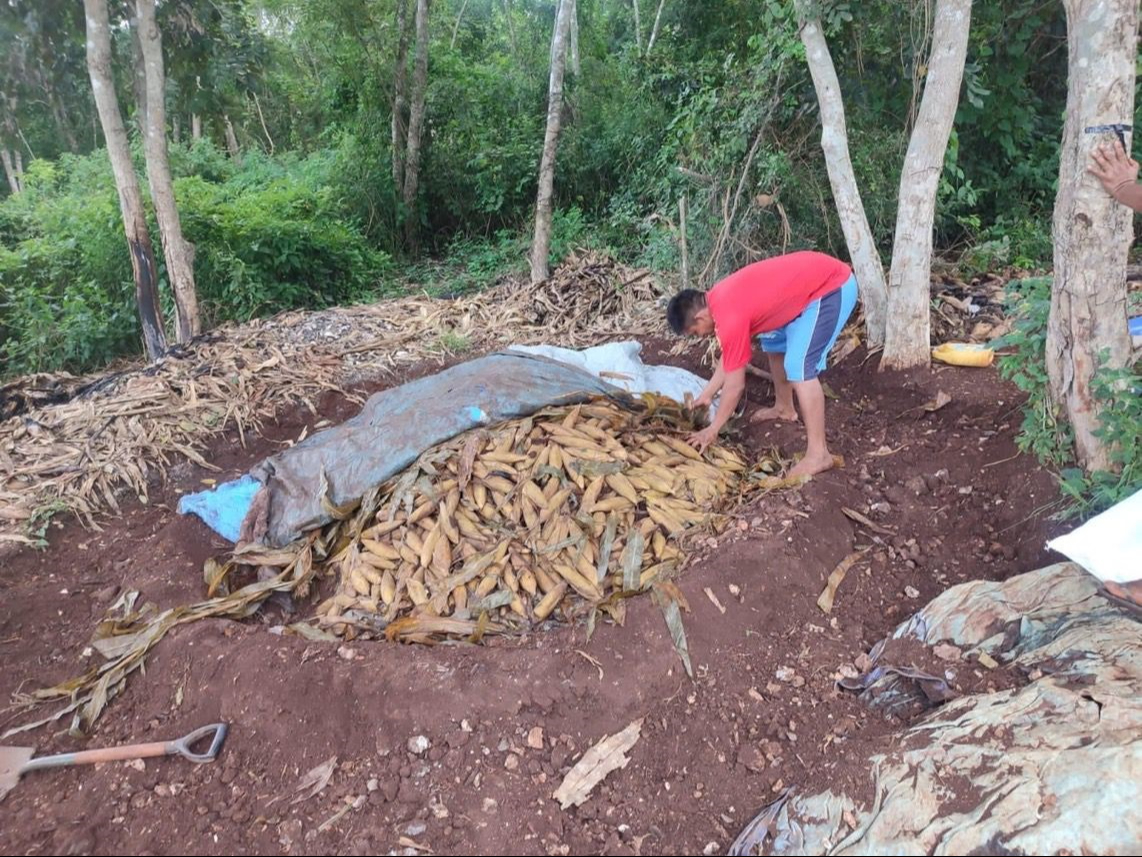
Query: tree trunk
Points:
[573, 46]
[231, 138]
[511, 25]
[541, 245]
[456, 28]
[176, 129]
[126, 182]
[195, 127]
[138, 76]
[62, 123]
[846, 195]
[637, 27]
[907, 340]
[178, 252]
[10, 170]
[1092, 232]
[400, 97]
[19, 165]
[416, 124]
[654, 29]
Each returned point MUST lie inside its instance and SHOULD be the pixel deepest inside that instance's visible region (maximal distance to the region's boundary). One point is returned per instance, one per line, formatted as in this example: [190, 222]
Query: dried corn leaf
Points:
[607, 755]
[825, 601]
[673, 616]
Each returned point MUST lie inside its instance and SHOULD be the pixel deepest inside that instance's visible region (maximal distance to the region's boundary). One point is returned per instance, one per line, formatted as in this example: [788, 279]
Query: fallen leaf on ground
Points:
[714, 600]
[825, 601]
[607, 755]
[316, 780]
[872, 525]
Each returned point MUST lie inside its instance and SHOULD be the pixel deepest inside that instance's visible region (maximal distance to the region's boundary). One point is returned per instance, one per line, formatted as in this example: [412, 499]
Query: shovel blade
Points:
[12, 761]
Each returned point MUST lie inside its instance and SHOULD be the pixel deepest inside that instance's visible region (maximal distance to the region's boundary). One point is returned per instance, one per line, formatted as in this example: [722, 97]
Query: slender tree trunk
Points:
[416, 124]
[541, 245]
[10, 170]
[139, 75]
[178, 252]
[456, 28]
[576, 66]
[62, 123]
[231, 138]
[637, 27]
[19, 157]
[1092, 232]
[654, 29]
[846, 195]
[176, 129]
[511, 25]
[400, 97]
[195, 126]
[907, 339]
[127, 183]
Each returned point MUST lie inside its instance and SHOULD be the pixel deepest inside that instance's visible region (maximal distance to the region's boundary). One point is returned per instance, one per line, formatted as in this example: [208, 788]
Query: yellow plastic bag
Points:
[964, 354]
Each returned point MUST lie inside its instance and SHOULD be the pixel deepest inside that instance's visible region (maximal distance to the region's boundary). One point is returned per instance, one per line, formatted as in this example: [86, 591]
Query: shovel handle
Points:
[179, 747]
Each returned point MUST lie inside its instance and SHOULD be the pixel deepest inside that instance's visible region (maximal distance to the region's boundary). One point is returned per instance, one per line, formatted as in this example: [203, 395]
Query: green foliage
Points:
[1045, 433]
[269, 235]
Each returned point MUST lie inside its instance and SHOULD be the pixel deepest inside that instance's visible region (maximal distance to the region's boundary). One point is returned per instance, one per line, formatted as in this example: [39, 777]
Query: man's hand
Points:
[1114, 168]
[701, 439]
[703, 401]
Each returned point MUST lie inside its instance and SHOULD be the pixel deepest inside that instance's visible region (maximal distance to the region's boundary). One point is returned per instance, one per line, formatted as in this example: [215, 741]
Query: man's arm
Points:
[732, 390]
[1118, 173]
[711, 389]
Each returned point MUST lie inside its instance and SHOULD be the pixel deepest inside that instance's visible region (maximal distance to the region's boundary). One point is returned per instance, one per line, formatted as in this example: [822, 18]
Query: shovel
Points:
[16, 761]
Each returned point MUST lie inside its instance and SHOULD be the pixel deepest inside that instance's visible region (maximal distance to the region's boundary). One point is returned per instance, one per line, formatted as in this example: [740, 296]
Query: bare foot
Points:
[774, 413]
[1131, 591]
[811, 466]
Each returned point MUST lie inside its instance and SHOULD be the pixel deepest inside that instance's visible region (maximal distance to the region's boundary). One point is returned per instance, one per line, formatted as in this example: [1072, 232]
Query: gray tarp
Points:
[394, 427]
[1052, 767]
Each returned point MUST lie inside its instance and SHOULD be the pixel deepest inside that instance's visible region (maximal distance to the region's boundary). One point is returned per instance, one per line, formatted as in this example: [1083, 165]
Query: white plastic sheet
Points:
[1109, 545]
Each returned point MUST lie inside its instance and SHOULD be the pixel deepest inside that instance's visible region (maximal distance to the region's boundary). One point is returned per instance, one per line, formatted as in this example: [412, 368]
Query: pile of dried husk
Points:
[559, 515]
[82, 444]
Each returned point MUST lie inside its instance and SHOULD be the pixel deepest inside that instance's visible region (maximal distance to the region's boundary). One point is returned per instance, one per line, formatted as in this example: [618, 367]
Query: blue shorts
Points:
[807, 340]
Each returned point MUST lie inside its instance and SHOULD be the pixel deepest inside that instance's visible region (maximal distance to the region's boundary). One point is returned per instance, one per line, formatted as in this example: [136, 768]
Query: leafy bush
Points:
[1045, 432]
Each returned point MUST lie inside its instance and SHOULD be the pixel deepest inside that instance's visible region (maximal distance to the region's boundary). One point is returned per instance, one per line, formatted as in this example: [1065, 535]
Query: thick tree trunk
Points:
[654, 29]
[416, 124]
[846, 195]
[1092, 233]
[541, 244]
[400, 97]
[178, 252]
[231, 138]
[907, 340]
[126, 182]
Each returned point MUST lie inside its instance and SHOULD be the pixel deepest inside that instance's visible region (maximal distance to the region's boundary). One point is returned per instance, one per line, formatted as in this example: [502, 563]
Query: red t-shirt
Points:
[768, 295]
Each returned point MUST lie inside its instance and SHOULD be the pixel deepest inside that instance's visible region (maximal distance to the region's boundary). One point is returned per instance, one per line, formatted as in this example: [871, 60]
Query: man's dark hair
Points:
[682, 308]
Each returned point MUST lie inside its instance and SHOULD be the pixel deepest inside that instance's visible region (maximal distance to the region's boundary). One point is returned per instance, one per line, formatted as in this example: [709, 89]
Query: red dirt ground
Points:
[763, 711]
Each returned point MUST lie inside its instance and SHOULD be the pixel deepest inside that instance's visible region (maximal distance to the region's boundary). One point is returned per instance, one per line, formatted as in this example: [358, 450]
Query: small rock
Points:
[390, 789]
[535, 738]
[752, 758]
[947, 652]
[491, 805]
[418, 745]
[735, 590]
[863, 662]
[785, 674]
[346, 653]
[911, 591]
[711, 849]
[847, 671]
[137, 764]
[511, 762]
[373, 784]
[916, 485]
[416, 828]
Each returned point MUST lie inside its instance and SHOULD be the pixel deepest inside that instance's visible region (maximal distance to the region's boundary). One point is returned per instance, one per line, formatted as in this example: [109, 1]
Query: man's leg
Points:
[782, 408]
[811, 398]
